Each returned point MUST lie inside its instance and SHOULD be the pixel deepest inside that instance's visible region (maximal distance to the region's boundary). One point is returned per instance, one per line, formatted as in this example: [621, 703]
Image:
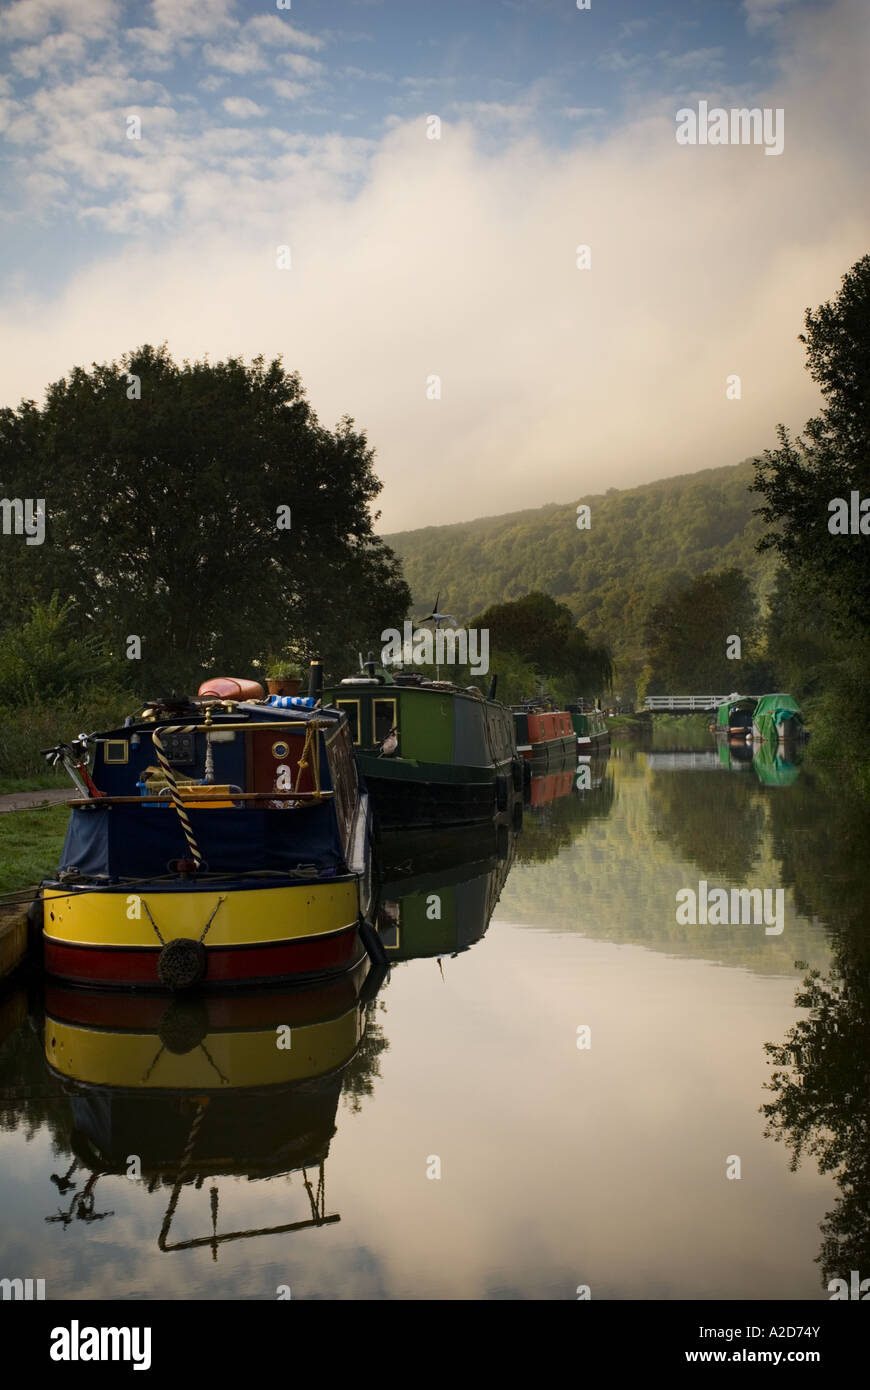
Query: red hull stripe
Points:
[293, 1004]
[287, 960]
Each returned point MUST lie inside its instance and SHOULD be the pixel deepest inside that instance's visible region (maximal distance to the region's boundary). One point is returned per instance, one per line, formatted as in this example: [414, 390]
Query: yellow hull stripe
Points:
[138, 1060]
[246, 917]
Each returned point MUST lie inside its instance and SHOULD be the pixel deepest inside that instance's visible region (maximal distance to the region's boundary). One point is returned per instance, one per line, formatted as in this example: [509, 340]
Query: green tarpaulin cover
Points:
[772, 710]
[723, 714]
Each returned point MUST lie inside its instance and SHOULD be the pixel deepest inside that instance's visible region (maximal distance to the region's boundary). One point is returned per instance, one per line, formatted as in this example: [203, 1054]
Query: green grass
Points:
[30, 845]
[34, 784]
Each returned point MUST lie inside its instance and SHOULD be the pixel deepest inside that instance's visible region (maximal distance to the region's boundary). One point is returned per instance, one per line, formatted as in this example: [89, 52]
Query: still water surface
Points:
[560, 1166]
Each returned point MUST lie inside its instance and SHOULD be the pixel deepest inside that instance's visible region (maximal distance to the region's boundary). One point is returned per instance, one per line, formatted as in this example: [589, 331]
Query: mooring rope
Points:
[187, 1154]
[175, 794]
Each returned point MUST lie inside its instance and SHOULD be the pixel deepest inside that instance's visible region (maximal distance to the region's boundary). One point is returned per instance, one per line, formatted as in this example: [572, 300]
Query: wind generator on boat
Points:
[217, 840]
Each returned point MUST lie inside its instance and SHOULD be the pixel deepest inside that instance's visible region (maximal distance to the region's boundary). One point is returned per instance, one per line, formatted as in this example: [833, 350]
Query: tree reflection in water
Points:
[821, 1071]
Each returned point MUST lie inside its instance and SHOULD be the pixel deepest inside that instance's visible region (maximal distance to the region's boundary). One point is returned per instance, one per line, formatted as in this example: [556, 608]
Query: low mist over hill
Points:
[608, 574]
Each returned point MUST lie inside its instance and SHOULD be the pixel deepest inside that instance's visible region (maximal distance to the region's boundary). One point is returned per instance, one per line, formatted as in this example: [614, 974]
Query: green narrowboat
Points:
[590, 726]
[430, 752]
[777, 719]
[734, 716]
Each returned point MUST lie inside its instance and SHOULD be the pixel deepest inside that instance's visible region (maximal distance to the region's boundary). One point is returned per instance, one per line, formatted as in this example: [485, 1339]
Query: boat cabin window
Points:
[351, 709]
[384, 718]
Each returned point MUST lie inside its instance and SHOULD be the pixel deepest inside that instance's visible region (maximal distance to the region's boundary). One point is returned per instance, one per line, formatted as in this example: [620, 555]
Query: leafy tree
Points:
[819, 625]
[45, 660]
[544, 635]
[688, 631]
[163, 507]
[831, 459]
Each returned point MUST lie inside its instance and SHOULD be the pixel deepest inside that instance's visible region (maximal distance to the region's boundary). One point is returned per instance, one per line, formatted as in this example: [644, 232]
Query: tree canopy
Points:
[201, 507]
[831, 459]
[544, 635]
[688, 633]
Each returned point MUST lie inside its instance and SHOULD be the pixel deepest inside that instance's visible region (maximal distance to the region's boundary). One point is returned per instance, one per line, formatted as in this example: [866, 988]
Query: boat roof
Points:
[277, 707]
[779, 701]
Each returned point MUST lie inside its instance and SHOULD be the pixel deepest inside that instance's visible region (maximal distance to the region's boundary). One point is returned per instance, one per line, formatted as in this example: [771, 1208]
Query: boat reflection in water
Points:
[562, 803]
[767, 761]
[247, 1084]
[438, 891]
[202, 1087]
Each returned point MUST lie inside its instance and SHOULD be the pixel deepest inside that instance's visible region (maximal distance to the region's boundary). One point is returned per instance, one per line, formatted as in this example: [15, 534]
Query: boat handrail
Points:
[154, 800]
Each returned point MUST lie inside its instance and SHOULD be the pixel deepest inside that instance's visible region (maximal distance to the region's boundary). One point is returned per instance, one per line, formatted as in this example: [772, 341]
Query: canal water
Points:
[560, 1086]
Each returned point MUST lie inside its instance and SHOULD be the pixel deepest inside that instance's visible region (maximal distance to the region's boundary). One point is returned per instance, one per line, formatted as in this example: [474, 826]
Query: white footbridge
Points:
[683, 704]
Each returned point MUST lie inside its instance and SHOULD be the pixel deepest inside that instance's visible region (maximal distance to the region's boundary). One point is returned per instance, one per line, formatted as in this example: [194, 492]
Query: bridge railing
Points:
[684, 702]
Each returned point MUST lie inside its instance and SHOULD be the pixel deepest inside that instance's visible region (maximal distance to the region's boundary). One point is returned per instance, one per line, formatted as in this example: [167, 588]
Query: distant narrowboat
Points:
[590, 726]
[545, 736]
[734, 716]
[777, 719]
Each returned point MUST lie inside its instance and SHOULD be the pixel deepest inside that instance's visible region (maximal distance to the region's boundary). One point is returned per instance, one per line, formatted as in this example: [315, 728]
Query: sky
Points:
[390, 195]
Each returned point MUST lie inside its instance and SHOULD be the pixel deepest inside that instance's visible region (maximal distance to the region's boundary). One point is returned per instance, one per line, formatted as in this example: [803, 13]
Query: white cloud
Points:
[302, 66]
[157, 42]
[241, 58]
[413, 257]
[696, 58]
[243, 108]
[31, 19]
[764, 14]
[269, 29]
[365, 75]
[493, 111]
[287, 91]
[201, 19]
[49, 56]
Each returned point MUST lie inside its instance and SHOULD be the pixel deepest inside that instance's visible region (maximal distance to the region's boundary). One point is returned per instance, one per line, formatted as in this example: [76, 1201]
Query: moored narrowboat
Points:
[777, 719]
[430, 752]
[545, 736]
[590, 726]
[734, 716]
[218, 840]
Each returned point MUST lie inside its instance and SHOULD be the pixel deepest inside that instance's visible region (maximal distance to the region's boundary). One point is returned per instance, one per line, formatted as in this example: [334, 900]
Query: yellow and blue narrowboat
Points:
[217, 840]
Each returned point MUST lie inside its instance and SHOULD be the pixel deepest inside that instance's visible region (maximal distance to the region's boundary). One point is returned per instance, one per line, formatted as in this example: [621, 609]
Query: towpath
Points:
[25, 801]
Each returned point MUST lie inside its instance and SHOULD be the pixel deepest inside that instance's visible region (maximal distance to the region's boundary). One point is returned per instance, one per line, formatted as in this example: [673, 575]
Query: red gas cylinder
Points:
[228, 688]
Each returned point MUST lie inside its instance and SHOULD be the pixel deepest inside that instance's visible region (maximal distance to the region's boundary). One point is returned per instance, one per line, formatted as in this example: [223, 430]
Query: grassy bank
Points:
[30, 845]
[624, 723]
[35, 784]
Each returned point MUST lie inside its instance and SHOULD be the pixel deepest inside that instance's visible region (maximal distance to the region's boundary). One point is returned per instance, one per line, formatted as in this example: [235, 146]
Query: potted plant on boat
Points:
[283, 677]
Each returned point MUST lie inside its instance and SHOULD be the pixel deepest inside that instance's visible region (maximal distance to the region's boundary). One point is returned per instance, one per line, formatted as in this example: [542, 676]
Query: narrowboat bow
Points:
[221, 840]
